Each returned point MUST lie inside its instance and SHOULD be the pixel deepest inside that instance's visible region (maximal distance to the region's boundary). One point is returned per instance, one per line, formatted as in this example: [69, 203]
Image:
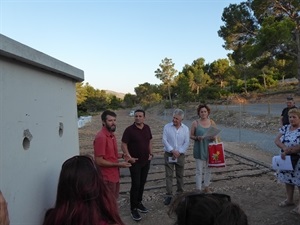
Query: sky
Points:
[118, 43]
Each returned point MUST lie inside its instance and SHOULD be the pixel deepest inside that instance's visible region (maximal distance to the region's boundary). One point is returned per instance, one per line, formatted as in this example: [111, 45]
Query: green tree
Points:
[81, 93]
[182, 88]
[197, 76]
[258, 29]
[115, 103]
[130, 100]
[166, 74]
[219, 72]
[147, 93]
[90, 90]
[240, 26]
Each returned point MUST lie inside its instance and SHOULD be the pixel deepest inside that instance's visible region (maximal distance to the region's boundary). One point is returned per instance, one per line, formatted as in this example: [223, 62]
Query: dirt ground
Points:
[258, 195]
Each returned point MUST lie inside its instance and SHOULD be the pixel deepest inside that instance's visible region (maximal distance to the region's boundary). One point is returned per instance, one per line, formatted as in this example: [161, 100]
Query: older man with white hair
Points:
[176, 142]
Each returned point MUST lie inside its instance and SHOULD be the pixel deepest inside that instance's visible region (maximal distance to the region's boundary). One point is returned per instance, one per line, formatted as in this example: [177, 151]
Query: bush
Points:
[212, 93]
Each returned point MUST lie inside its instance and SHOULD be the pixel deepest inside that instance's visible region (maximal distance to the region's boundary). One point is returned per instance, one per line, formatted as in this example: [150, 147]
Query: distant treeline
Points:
[264, 40]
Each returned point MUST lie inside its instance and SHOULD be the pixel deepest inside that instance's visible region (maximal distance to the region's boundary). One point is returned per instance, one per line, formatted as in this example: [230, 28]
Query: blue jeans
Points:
[138, 175]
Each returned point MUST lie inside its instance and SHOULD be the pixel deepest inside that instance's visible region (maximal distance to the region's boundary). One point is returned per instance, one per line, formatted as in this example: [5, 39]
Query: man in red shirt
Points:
[106, 153]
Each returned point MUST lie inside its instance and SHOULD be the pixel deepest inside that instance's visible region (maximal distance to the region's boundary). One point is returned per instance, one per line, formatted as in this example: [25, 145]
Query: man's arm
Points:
[127, 156]
[105, 163]
[281, 116]
[125, 149]
[150, 146]
[168, 147]
[150, 150]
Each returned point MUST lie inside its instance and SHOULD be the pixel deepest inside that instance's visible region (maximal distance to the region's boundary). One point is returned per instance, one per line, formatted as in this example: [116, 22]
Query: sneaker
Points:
[141, 208]
[135, 215]
[167, 200]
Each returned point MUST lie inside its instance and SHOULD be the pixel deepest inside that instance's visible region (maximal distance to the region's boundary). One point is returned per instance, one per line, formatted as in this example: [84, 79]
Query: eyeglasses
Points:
[222, 198]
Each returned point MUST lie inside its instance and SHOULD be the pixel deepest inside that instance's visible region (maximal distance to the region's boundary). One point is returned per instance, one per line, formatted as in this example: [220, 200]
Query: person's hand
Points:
[214, 138]
[129, 159]
[4, 217]
[150, 157]
[285, 148]
[176, 153]
[132, 160]
[124, 164]
[283, 154]
[199, 138]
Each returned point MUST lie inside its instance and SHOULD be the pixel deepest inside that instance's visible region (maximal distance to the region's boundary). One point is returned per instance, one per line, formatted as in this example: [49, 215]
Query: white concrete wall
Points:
[38, 128]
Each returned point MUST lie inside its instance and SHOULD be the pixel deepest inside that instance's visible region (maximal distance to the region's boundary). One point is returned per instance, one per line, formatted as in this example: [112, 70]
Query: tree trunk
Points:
[265, 83]
[245, 82]
[170, 98]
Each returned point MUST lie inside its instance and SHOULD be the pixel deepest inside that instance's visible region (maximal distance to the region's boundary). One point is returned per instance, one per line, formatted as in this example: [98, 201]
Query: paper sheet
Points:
[279, 164]
[211, 132]
[172, 160]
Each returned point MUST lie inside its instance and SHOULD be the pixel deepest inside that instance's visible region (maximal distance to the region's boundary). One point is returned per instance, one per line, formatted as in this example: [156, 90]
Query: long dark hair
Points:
[82, 198]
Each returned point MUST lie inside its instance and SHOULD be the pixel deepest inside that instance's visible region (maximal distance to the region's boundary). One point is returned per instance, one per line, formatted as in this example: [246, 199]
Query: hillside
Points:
[117, 94]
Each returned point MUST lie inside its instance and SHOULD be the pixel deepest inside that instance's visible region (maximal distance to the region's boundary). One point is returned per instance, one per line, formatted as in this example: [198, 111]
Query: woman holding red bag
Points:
[198, 128]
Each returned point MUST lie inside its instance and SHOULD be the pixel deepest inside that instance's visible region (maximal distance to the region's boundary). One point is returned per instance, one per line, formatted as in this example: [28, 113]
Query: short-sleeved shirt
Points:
[290, 138]
[105, 145]
[138, 142]
[285, 115]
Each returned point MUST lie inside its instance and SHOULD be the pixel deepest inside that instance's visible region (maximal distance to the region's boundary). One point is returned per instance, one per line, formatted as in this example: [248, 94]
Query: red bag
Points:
[216, 156]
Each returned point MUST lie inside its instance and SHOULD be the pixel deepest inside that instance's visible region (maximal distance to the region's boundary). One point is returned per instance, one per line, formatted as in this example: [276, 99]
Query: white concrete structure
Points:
[38, 128]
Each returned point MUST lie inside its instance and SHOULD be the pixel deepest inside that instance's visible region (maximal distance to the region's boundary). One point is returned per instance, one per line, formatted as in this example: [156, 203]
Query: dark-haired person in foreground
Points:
[207, 209]
[4, 217]
[82, 198]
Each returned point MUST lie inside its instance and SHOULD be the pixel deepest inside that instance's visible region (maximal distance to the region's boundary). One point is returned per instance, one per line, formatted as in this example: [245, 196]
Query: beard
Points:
[111, 128]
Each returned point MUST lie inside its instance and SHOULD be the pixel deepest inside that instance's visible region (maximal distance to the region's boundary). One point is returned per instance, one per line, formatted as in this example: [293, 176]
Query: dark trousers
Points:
[138, 175]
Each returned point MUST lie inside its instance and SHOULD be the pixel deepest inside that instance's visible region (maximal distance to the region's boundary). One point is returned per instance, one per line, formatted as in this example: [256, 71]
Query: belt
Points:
[169, 153]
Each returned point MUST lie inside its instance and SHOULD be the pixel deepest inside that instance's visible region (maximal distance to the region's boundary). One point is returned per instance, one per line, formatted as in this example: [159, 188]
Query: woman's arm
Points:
[192, 132]
[212, 123]
[293, 150]
[279, 143]
[282, 146]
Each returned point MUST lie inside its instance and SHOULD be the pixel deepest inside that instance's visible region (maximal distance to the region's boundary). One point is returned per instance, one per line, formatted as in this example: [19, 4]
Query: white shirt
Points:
[176, 139]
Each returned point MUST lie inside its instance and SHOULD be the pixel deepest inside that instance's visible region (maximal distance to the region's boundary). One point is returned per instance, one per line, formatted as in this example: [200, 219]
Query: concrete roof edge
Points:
[12, 49]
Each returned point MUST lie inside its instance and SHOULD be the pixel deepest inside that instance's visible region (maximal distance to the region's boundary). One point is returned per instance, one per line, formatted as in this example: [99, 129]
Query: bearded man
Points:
[106, 153]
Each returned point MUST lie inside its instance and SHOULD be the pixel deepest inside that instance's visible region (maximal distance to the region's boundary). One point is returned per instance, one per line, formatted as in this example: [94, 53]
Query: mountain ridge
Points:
[117, 94]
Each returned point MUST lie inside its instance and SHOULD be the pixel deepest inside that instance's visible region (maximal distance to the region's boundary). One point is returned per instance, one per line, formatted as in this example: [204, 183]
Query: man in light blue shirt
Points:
[176, 142]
